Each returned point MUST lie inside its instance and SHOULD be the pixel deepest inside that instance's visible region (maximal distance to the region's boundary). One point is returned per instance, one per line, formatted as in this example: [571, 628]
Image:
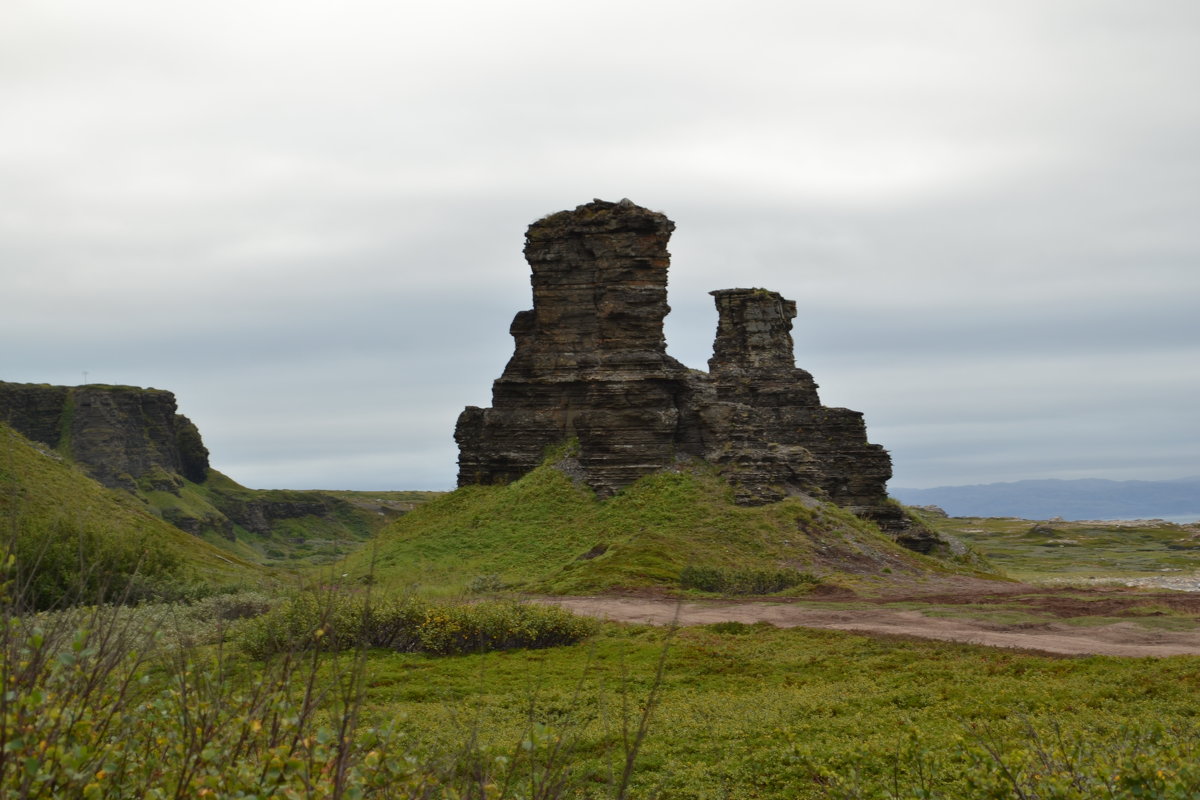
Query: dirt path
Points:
[1117, 639]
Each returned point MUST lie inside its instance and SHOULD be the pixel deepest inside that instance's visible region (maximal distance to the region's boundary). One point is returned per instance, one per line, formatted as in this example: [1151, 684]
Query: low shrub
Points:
[477, 627]
[339, 621]
[485, 584]
[743, 581]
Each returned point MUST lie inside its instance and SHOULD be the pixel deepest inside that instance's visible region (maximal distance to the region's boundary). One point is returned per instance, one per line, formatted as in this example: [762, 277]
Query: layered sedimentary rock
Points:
[120, 434]
[767, 420]
[590, 363]
[590, 359]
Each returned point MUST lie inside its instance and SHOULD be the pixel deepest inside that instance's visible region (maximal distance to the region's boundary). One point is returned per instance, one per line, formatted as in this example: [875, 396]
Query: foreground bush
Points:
[84, 717]
[335, 621]
[96, 704]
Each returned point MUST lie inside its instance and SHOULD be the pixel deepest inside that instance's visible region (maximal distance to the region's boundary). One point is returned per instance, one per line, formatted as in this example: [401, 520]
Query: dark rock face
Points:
[777, 430]
[259, 515]
[120, 434]
[590, 358]
[591, 363]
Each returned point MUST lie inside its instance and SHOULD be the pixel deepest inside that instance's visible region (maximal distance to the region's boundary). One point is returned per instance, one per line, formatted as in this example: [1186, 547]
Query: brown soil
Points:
[843, 610]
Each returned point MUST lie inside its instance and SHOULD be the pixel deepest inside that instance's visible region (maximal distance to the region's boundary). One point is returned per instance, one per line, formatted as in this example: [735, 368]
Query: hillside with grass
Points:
[546, 533]
[132, 439]
[281, 527]
[75, 540]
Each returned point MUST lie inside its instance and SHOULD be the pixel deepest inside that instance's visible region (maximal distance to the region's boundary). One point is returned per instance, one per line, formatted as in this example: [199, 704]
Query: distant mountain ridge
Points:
[1089, 498]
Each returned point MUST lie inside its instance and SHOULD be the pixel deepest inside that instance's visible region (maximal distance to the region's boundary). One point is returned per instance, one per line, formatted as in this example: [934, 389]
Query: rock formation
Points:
[131, 438]
[120, 434]
[590, 358]
[590, 363]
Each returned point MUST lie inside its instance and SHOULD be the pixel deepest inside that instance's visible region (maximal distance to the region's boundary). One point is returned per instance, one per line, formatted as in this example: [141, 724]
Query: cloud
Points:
[307, 219]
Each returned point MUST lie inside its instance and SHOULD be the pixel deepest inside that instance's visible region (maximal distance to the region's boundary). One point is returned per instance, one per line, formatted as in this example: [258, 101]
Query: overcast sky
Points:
[306, 218]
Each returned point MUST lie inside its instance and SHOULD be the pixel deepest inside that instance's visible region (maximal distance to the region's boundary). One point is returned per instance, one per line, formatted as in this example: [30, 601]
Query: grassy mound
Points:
[544, 533]
[74, 540]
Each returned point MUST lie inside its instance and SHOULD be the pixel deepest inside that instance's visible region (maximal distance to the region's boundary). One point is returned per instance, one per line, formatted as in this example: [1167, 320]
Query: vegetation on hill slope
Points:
[89, 709]
[131, 438]
[1061, 551]
[274, 526]
[544, 533]
[74, 540]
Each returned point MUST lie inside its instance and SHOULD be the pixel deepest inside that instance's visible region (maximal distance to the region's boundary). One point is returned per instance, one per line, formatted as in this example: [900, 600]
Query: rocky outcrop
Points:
[590, 359]
[590, 364]
[120, 434]
[259, 515]
[769, 422]
[132, 439]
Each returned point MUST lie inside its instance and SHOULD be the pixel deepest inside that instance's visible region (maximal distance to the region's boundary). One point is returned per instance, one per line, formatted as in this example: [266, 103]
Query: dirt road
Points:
[1054, 635]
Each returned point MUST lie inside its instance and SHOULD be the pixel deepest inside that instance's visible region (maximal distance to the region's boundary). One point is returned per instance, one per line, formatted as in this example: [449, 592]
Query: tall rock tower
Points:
[591, 363]
[590, 359]
[778, 432]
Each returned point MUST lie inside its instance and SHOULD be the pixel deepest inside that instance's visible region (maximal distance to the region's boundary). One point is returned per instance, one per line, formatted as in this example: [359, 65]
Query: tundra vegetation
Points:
[178, 671]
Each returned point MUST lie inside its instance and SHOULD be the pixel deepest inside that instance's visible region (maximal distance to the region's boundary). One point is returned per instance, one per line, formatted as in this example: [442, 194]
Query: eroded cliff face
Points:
[121, 435]
[133, 439]
[590, 359]
[590, 363]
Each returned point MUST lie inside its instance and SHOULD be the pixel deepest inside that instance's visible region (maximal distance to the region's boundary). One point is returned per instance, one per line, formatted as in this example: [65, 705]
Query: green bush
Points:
[478, 627]
[60, 561]
[339, 621]
[743, 581]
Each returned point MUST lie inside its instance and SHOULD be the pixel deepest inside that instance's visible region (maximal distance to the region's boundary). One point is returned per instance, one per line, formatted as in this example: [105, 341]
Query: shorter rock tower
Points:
[591, 364]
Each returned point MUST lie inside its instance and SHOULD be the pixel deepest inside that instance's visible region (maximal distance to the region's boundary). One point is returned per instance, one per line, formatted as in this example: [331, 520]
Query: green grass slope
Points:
[273, 526]
[74, 539]
[1060, 550]
[544, 533]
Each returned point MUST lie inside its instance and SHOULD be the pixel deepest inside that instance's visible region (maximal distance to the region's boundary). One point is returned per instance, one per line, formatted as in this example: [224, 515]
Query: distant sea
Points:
[1174, 501]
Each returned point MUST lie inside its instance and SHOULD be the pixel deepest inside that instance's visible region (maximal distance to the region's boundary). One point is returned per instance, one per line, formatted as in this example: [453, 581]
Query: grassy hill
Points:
[75, 539]
[274, 526]
[544, 533]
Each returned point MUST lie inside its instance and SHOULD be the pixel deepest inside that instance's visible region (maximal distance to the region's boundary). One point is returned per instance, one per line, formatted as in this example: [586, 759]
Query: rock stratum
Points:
[121, 435]
[590, 364]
